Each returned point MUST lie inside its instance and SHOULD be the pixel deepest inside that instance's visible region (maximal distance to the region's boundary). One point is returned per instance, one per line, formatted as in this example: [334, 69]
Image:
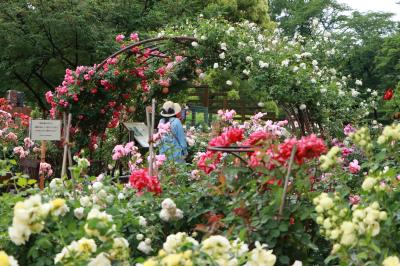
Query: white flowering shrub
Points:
[296, 73]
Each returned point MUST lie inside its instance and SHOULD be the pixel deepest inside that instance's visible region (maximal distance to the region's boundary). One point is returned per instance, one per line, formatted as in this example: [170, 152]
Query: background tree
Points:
[297, 15]
[42, 38]
[362, 36]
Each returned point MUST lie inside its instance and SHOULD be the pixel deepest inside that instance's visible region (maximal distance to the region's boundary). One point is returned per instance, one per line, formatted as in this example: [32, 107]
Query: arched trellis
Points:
[153, 44]
[144, 51]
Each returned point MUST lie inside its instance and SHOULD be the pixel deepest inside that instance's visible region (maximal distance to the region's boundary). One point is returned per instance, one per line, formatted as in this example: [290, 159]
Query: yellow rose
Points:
[4, 259]
[172, 260]
[150, 262]
[391, 261]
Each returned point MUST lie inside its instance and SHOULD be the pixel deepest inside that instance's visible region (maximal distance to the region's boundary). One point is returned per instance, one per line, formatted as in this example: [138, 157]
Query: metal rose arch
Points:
[150, 44]
[98, 96]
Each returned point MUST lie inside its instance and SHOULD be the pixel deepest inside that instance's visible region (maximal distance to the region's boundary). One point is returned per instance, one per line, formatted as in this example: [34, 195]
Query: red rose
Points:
[234, 135]
[388, 94]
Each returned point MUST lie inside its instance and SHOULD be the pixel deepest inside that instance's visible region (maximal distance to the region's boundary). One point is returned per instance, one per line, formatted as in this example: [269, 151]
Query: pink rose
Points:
[354, 199]
[354, 168]
[119, 38]
[134, 36]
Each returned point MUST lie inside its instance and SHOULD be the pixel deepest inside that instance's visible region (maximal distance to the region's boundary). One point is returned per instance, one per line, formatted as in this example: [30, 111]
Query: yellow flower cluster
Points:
[182, 250]
[58, 207]
[120, 249]
[342, 227]
[104, 221]
[29, 216]
[175, 259]
[6, 260]
[362, 139]
[390, 133]
[330, 159]
[82, 249]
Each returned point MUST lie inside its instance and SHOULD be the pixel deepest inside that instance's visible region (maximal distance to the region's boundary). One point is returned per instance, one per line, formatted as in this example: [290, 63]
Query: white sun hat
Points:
[169, 109]
[177, 108]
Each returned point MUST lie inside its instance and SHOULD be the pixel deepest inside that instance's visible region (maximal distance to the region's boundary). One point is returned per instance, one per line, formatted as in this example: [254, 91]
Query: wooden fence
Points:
[208, 103]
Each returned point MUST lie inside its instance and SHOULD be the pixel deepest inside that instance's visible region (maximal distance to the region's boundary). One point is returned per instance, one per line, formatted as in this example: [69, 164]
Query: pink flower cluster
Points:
[354, 167]
[348, 129]
[28, 143]
[163, 129]
[45, 169]
[141, 181]
[129, 149]
[226, 115]
[159, 160]
[21, 152]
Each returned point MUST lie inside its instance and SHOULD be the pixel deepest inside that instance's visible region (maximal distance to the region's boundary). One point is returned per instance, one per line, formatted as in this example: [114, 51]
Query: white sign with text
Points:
[45, 129]
[140, 132]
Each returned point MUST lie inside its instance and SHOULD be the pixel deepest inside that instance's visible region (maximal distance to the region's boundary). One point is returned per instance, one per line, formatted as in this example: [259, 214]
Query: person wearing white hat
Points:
[173, 145]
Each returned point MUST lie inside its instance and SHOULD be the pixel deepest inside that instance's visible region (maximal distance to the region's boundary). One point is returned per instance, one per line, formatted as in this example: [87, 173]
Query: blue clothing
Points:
[173, 144]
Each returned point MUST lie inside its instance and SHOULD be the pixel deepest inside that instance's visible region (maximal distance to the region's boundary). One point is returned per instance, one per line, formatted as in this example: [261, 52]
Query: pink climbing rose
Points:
[119, 37]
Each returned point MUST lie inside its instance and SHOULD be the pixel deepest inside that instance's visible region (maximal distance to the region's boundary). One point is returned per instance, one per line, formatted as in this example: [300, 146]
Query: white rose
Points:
[100, 260]
[97, 185]
[222, 55]
[348, 239]
[223, 46]
[142, 221]
[216, 65]
[79, 213]
[246, 72]
[368, 183]
[121, 196]
[229, 83]
[139, 237]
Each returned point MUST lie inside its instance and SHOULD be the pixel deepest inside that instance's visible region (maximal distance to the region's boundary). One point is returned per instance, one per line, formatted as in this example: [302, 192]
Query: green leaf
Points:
[284, 259]
[283, 227]
[31, 181]
[22, 182]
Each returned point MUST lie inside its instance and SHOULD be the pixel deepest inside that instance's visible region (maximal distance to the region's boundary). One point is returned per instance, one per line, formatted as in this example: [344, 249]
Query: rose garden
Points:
[310, 175]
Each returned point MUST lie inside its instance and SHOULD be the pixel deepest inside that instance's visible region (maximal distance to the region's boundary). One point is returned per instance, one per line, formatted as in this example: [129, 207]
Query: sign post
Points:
[44, 130]
[150, 124]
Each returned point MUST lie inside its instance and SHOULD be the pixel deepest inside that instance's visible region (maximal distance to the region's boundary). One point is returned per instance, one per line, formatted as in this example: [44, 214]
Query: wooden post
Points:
[150, 170]
[42, 160]
[151, 145]
[67, 126]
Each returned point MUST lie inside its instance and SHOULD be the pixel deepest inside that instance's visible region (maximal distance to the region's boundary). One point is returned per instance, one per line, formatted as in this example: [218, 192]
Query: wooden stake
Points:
[151, 146]
[67, 126]
[150, 171]
[294, 149]
[42, 160]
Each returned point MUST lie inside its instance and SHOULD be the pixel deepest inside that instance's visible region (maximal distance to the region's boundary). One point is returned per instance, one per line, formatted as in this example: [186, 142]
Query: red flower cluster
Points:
[208, 161]
[24, 119]
[308, 147]
[257, 138]
[5, 105]
[227, 138]
[388, 94]
[141, 181]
